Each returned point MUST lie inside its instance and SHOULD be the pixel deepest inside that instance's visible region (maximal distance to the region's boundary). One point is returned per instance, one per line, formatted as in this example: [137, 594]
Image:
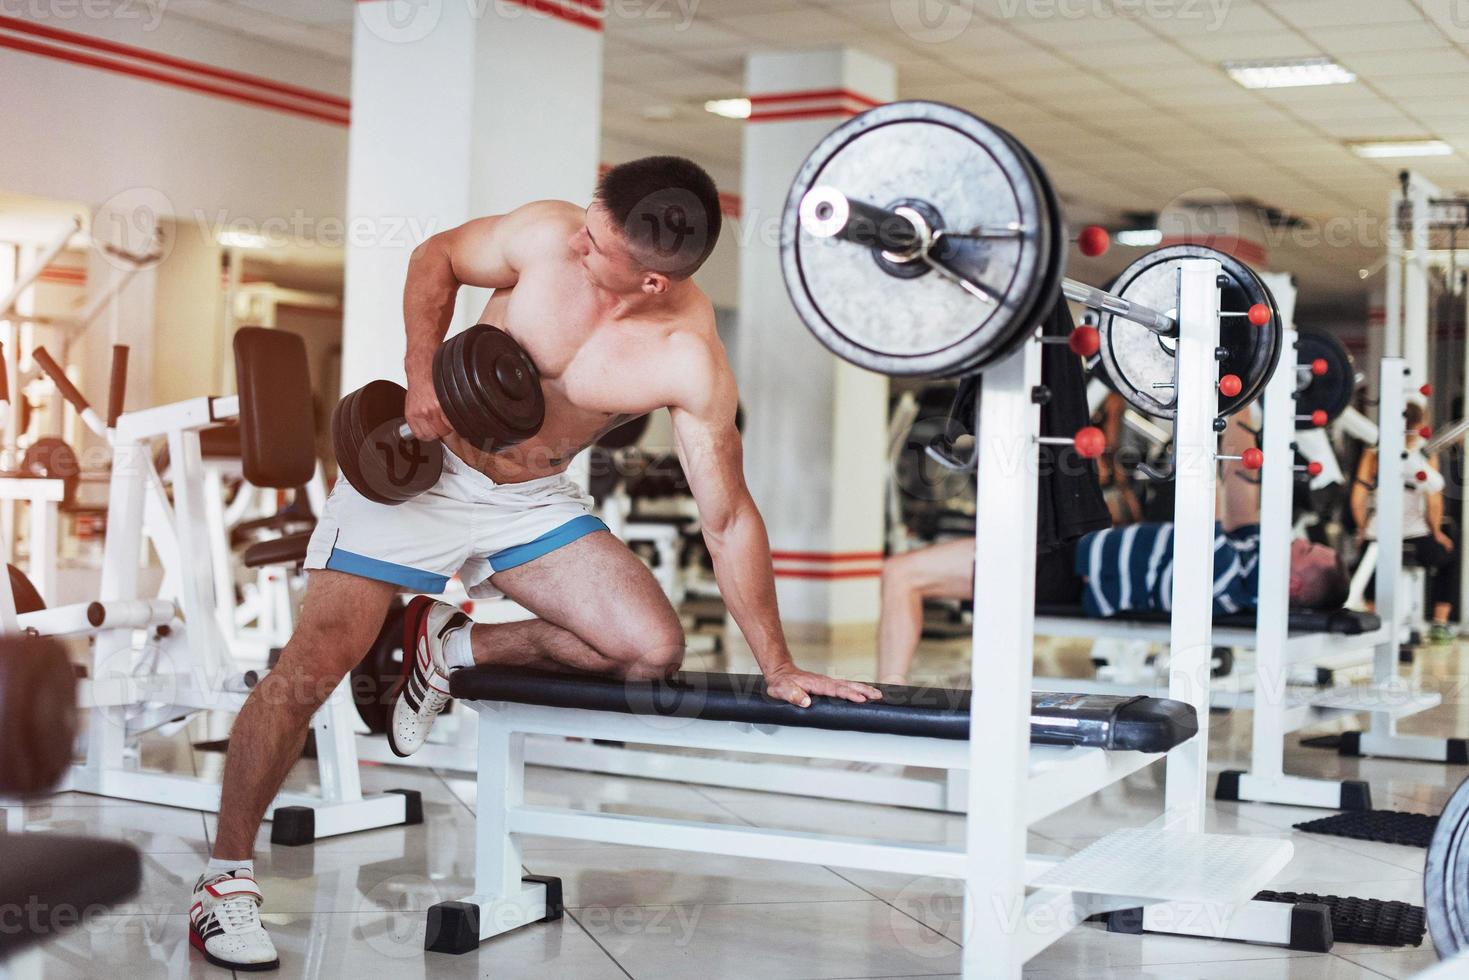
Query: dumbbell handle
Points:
[68, 390]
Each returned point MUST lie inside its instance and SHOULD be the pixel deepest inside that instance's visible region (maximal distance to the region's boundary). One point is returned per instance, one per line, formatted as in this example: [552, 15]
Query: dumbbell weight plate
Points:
[452, 396]
[373, 457]
[491, 391]
[501, 365]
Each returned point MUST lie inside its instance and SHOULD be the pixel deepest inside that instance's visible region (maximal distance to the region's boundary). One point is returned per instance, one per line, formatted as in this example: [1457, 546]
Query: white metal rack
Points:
[1019, 782]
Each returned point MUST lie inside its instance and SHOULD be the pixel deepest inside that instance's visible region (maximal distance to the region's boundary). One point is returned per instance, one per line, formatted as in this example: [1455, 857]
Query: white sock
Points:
[458, 651]
[220, 866]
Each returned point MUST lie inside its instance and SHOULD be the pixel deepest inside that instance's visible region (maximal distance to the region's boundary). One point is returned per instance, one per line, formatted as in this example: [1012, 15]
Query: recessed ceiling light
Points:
[1373, 149]
[1288, 74]
[1139, 237]
[729, 108]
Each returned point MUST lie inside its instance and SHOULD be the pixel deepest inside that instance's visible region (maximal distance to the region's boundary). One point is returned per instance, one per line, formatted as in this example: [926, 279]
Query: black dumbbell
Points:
[490, 392]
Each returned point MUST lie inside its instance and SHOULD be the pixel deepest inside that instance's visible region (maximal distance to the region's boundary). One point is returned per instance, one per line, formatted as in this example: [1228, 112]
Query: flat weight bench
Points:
[1341, 622]
[730, 712]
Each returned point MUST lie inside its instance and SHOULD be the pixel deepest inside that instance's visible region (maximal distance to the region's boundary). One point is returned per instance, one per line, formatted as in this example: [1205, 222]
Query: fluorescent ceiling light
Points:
[1288, 74]
[1139, 237]
[729, 108]
[1402, 148]
[242, 239]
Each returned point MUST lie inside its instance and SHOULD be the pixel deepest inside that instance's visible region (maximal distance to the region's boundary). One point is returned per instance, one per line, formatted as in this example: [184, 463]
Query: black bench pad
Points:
[289, 550]
[68, 876]
[1344, 622]
[1140, 723]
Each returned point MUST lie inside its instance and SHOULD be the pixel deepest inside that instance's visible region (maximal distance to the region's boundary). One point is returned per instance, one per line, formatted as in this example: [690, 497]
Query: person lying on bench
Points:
[602, 301]
[1114, 571]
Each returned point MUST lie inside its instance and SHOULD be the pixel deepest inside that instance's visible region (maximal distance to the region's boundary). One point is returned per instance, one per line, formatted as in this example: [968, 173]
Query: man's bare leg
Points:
[601, 611]
[944, 571]
[341, 618]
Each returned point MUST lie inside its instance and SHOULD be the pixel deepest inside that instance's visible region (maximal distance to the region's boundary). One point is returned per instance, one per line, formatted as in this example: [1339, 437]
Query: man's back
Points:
[1131, 569]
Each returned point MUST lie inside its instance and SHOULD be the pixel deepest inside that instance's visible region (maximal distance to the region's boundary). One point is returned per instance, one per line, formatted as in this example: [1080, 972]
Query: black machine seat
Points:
[52, 873]
[1343, 622]
[1139, 723]
[289, 550]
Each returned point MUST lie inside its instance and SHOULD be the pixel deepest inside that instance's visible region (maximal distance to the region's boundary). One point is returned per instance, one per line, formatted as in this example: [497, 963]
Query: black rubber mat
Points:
[1383, 826]
[1370, 921]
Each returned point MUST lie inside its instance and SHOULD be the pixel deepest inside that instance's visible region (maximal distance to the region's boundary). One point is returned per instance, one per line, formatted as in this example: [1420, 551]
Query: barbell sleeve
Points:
[826, 212]
[68, 390]
[1100, 299]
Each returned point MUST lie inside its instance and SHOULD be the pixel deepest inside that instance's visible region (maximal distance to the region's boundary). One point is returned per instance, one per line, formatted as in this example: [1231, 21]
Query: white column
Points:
[815, 427]
[459, 110]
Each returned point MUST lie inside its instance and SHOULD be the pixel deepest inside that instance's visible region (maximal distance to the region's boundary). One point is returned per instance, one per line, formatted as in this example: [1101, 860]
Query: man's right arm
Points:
[485, 252]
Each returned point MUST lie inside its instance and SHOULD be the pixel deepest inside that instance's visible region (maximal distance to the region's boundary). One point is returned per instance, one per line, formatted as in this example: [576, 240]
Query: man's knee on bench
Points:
[646, 649]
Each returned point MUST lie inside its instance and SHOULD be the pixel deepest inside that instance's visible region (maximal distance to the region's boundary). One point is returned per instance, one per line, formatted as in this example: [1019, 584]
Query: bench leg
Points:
[504, 898]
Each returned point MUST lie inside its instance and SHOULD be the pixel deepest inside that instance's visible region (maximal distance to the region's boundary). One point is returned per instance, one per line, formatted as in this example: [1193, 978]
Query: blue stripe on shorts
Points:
[385, 571]
[577, 527]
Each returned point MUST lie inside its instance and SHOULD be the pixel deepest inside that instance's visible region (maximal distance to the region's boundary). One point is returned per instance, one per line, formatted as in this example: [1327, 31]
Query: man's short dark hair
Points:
[668, 210]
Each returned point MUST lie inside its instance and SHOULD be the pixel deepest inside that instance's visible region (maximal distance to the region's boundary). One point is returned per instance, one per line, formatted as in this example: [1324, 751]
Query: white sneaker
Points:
[424, 690]
[224, 924]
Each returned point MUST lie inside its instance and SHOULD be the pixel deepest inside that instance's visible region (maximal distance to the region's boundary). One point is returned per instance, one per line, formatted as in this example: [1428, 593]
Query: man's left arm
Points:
[710, 450]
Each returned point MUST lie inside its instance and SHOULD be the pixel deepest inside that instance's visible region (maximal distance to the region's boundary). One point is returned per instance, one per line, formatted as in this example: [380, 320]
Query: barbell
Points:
[919, 240]
[490, 392]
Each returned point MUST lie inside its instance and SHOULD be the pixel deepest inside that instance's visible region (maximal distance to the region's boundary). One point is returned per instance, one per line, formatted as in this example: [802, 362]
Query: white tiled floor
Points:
[354, 907]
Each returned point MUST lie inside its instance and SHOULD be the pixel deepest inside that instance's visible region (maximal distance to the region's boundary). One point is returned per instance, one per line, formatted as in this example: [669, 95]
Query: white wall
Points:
[86, 134]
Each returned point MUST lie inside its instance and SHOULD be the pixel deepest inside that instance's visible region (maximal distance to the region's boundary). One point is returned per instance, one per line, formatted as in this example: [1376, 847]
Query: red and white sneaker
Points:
[424, 690]
[224, 924]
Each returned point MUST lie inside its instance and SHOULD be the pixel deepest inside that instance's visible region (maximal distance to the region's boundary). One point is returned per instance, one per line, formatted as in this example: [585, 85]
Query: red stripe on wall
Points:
[120, 68]
[826, 556]
[765, 98]
[570, 16]
[828, 575]
[181, 64]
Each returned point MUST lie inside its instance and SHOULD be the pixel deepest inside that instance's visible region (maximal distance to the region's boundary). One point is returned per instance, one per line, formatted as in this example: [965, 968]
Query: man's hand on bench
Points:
[790, 683]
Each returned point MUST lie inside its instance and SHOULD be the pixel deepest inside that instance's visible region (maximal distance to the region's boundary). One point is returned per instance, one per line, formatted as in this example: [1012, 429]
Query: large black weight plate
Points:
[378, 462]
[1446, 877]
[490, 388]
[373, 679]
[453, 399]
[1135, 359]
[1332, 391]
[51, 458]
[971, 176]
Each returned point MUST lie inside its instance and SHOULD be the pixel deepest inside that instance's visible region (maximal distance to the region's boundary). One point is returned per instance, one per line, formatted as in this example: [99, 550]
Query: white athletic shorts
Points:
[466, 524]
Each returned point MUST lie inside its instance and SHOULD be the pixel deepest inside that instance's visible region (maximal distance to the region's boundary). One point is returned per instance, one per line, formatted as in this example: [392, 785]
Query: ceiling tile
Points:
[1377, 65]
[1336, 13]
[1196, 19]
[1382, 37]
